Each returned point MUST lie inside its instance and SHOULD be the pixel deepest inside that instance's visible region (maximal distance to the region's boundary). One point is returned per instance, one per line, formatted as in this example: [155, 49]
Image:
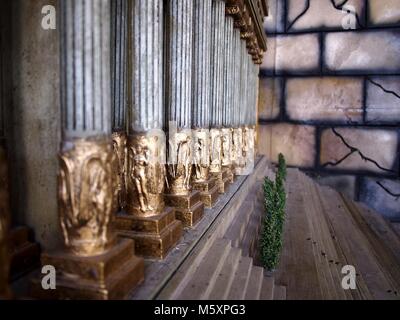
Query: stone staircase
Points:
[323, 232]
[225, 269]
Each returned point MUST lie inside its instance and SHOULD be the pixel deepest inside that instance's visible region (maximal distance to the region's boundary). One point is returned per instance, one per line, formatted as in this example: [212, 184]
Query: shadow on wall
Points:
[330, 96]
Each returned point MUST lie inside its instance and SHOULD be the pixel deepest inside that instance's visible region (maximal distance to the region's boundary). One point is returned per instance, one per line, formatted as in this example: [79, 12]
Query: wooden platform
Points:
[325, 231]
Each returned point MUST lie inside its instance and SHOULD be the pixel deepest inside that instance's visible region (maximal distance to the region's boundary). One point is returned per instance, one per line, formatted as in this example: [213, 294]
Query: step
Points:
[297, 269]
[326, 253]
[225, 278]
[255, 284]
[355, 245]
[384, 242]
[236, 230]
[396, 227]
[251, 234]
[267, 290]
[279, 293]
[207, 272]
[381, 228]
[241, 279]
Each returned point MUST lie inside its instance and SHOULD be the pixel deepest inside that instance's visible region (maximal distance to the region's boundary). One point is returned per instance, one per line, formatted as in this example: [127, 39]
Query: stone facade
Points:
[330, 94]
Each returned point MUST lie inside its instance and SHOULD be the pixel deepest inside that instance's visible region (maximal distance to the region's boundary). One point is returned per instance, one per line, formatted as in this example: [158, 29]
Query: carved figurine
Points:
[184, 160]
[140, 161]
[198, 156]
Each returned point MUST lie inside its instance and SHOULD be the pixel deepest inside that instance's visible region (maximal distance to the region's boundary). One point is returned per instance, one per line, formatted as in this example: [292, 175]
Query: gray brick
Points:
[372, 194]
[270, 96]
[386, 12]
[345, 184]
[292, 53]
[320, 14]
[367, 51]
[383, 99]
[377, 144]
[331, 98]
[296, 142]
[275, 20]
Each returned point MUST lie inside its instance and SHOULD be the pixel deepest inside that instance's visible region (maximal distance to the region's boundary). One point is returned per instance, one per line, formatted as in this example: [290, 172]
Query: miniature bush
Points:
[274, 203]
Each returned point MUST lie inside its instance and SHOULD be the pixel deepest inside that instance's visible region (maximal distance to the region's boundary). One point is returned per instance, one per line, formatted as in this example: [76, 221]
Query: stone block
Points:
[373, 194]
[320, 14]
[292, 54]
[383, 99]
[376, 144]
[384, 12]
[270, 97]
[374, 51]
[345, 184]
[275, 22]
[295, 142]
[329, 98]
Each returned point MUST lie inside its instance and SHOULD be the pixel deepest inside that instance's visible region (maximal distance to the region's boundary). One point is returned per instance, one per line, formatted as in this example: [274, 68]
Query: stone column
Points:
[236, 136]
[226, 134]
[217, 93]
[87, 183]
[119, 90]
[179, 75]
[242, 139]
[147, 220]
[201, 103]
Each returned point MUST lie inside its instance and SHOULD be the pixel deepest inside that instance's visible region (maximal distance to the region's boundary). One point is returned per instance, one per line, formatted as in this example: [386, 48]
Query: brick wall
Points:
[330, 97]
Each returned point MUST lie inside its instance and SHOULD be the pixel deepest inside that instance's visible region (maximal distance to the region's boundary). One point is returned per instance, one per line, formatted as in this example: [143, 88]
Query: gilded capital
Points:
[146, 173]
[87, 191]
[180, 162]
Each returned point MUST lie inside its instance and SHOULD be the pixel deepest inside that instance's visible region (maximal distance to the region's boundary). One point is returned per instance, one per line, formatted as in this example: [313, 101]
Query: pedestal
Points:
[209, 191]
[109, 276]
[154, 236]
[230, 173]
[24, 253]
[189, 208]
[223, 180]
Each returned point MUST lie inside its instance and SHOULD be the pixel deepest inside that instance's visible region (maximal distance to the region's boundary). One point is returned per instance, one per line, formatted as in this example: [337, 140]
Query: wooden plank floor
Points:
[325, 231]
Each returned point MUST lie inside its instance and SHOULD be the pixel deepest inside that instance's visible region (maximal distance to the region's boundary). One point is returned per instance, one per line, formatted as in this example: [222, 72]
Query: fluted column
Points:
[201, 88]
[146, 141]
[86, 181]
[179, 94]
[236, 79]
[227, 93]
[119, 86]
[217, 82]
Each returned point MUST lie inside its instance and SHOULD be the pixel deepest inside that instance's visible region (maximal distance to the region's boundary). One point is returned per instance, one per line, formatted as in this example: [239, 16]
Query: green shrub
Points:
[274, 203]
[282, 166]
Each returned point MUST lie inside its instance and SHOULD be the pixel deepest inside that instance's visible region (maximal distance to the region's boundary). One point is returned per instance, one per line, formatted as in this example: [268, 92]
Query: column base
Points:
[230, 173]
[209, 191]
[109, 276]
[154, 236]
[24, 253]
[223, 180]
[189, 208]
